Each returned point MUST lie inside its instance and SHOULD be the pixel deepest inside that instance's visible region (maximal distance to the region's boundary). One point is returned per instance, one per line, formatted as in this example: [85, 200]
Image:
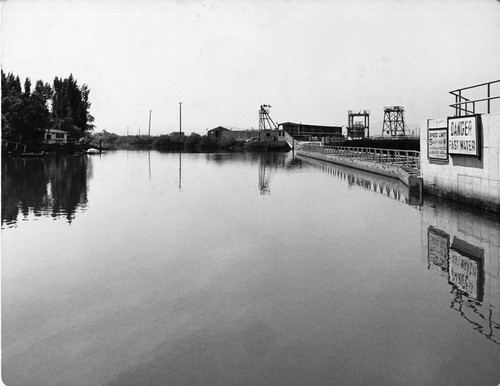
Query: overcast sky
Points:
[311, 60]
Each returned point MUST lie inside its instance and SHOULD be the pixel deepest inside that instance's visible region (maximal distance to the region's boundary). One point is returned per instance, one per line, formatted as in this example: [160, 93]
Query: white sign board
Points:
[437, 123]
[437, 144]
[463, 135]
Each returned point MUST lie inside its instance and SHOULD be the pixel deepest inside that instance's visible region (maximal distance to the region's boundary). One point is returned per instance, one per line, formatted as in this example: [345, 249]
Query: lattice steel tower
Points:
[394, 121]
[265, 121]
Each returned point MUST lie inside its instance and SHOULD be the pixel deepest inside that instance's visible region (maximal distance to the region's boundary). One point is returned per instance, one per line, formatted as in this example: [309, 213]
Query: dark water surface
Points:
[146, 268]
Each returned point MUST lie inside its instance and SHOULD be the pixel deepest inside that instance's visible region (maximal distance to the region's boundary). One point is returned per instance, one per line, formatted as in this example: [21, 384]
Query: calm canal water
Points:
[149, 268]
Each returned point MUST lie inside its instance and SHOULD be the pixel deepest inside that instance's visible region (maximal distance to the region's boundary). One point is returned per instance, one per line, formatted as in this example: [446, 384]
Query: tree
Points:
[40, 117]
[27, 86]
[70, 107]
[193, 140]
[13, 108]
[104, 137]
[27, 112]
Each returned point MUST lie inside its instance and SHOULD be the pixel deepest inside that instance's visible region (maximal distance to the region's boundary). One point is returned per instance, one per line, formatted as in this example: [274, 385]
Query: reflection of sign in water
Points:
[463, 135]
[438, 245]
[466, 268]
[437, 144]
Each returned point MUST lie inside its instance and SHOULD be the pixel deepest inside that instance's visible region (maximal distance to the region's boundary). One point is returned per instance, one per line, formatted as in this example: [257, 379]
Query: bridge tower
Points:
[357, 129]
[394, 121]
[265, 120]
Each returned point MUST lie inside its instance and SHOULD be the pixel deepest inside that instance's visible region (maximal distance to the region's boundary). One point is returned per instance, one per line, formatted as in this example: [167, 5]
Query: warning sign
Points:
[463, 135]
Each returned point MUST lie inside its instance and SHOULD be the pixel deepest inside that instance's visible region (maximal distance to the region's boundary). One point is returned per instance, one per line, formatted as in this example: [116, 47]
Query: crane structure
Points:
[265, 120]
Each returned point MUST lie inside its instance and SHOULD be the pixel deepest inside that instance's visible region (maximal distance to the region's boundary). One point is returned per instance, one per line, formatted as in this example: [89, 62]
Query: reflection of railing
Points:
[377, 183]
[402, 158]
[468, 309]
[462, 103]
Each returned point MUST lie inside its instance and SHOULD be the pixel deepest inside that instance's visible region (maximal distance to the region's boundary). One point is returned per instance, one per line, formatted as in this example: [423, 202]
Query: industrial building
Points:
[222, 134]
[305, 132]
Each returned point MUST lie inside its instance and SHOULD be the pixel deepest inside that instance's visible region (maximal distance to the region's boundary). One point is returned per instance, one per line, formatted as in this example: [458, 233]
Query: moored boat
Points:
[269, 136]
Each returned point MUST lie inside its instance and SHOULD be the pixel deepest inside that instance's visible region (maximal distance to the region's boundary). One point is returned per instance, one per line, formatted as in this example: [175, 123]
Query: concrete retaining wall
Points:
[466, 179]
[373, 167]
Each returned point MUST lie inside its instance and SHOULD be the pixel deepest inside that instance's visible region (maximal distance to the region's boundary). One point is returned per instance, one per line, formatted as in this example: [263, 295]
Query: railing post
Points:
[489, 97]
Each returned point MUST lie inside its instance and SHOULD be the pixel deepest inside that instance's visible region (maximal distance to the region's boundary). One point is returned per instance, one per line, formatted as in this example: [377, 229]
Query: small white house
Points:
[52, 136]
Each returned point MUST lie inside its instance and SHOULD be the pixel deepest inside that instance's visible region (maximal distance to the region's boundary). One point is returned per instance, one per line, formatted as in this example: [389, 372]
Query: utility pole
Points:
[180, 117]
[149, 130]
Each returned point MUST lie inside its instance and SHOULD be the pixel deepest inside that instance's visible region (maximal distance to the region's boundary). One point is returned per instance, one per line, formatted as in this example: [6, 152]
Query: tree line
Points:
[162, 142]
[27, 110]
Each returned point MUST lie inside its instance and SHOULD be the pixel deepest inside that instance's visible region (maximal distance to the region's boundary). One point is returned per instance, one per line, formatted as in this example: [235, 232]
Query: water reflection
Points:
[264, 182]
[273, 161]
[149, 163]
[180, 171]
[267, 161]
[52, 186]
[461, 245]
[387, 186]
[163, 288]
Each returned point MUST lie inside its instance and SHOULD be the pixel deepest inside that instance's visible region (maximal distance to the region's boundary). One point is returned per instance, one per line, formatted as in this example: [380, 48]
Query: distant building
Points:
[305, 132]
[55, 136]
[217, 133]
[222, 134]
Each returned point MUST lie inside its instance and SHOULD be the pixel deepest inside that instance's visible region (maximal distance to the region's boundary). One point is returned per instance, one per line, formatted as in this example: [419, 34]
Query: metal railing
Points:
[395, 138]
[462, 104]
[402, 158]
